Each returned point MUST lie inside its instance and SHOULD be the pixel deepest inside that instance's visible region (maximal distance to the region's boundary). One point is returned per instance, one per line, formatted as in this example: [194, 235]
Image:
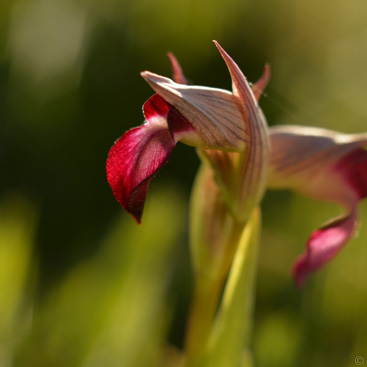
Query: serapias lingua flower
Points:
[203, 117]
[324, 165]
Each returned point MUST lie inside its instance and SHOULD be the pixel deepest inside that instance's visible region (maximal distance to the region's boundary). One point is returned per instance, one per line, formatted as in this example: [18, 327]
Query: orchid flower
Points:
[323, 165]
[230, 134]
[228, 128]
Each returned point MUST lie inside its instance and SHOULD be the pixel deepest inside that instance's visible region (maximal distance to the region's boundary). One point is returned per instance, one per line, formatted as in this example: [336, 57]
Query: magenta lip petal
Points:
[138, 156]
[323, 245]
[142, 151]
[354, 168]
[155, 106]
[178, 125]
[132, 163]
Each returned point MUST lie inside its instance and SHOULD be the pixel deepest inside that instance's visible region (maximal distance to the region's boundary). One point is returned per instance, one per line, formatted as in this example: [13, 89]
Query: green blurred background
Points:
[80, 283]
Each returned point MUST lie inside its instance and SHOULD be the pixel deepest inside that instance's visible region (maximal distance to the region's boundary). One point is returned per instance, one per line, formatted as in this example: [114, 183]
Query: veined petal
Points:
[241, 86]
[215, 114]
[303, 159]
[242, 176]
[324, 165]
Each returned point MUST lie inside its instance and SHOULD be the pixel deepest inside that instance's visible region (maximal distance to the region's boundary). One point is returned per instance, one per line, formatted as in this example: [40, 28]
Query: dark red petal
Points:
[134, 160]
[354, 168]
[178, 125]
[178, 75]
[323, 245]
[155, 106]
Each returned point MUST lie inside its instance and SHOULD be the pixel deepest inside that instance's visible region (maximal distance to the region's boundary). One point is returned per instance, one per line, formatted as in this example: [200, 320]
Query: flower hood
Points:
[214, 120]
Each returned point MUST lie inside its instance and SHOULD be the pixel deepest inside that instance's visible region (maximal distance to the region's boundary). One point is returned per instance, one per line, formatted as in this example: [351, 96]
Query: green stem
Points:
[230, 338]
[207, 293]
[208, 288]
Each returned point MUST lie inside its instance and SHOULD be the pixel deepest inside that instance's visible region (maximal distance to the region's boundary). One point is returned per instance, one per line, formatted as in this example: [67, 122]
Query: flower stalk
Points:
[229, 339]
[214, 335]
[204, 305]
[214, 237]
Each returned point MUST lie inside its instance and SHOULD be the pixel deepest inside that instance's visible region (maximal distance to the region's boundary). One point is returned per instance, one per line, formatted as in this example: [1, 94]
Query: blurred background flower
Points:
[80, 283]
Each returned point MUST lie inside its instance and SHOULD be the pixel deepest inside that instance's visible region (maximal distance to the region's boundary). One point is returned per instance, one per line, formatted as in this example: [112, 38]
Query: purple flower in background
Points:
[323, 165]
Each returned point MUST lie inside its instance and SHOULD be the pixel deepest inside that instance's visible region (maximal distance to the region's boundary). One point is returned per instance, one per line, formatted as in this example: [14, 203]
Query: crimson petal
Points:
[354, 168]
[323, 245]
[138, 156]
